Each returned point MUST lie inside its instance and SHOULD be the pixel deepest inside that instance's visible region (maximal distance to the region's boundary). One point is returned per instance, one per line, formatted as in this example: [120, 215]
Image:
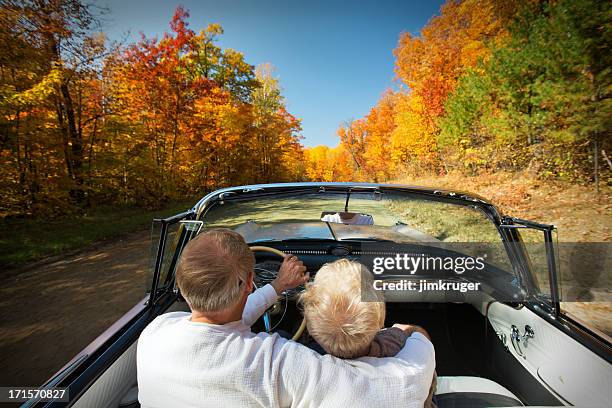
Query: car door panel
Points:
[563, 365]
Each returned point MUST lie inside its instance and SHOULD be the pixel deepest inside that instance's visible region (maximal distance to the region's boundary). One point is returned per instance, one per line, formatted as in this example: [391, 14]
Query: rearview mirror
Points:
[344, 217]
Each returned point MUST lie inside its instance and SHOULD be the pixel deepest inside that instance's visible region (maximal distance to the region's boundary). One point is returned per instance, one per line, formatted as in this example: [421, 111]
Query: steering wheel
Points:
[275, 251]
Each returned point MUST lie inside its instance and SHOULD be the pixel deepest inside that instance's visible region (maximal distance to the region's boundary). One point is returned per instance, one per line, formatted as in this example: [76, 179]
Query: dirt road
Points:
[50, 312]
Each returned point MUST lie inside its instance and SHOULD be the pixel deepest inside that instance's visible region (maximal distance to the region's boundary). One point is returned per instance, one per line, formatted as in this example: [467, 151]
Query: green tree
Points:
[545, 94]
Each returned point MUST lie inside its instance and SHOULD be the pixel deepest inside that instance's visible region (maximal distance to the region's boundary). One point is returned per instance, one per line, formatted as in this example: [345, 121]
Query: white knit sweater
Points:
[187, 364]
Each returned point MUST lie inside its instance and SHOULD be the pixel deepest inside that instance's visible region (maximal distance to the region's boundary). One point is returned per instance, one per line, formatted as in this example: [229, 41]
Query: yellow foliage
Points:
[40, 91]
[324, 163]
[413, 138]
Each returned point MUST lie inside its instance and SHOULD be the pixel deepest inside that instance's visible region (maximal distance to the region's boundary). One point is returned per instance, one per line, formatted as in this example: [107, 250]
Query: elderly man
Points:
[210, 357]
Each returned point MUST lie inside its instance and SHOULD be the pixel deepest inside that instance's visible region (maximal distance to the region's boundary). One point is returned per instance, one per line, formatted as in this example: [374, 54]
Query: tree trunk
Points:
[596, 165]
[75, 143]
[67, 122]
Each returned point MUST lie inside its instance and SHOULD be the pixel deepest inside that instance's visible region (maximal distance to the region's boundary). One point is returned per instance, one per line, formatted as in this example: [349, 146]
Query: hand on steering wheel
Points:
[292, 274]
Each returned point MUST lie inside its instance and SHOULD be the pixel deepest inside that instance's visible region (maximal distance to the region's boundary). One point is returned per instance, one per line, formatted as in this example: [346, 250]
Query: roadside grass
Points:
[446, 222]
[580, 215]
[23, 241]
[307, 208]
[578, 212]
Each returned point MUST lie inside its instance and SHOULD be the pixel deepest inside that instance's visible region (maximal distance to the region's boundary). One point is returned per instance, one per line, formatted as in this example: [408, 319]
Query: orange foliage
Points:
[380, 123]
[324, 163]
[452, 42]
[160, 119]
[353, 135]
[400, 133]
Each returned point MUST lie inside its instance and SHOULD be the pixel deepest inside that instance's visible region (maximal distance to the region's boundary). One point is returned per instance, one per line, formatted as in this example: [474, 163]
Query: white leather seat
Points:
[130, 399]
[471, 384]
[473, 392]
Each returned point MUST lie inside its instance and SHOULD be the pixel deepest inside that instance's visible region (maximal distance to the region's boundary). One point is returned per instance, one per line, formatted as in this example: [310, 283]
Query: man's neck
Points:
[223, 317]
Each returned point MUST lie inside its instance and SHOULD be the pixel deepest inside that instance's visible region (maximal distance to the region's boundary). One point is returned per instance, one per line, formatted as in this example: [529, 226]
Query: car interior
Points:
[477, 365]
[492, 350]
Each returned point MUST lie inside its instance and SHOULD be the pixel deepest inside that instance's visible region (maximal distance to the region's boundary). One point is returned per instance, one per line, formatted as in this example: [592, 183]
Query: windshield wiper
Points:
[366, 239]
[303, 239]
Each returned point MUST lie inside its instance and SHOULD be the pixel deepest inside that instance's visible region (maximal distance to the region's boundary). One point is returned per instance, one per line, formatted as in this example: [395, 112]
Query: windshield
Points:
[391, 225]
[395, 218]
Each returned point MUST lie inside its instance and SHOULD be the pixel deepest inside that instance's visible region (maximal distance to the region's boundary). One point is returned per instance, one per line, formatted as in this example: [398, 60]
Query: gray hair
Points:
[212, 269]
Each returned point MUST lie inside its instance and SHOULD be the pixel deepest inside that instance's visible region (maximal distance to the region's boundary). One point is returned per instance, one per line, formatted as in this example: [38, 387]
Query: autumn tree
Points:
[413, 144]
[48, 49]
[276, 145]
[177, 93]
[380, 124]
[430, 64]
[452, 42]
[85, 123]
[353, 137]
[205, 118]
[324, 163]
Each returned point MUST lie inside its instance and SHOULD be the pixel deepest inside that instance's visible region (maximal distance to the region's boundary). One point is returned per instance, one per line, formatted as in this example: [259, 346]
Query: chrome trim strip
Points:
[325, 187]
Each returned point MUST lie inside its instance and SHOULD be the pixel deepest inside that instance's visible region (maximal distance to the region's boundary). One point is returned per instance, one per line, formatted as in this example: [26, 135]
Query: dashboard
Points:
[489, 280]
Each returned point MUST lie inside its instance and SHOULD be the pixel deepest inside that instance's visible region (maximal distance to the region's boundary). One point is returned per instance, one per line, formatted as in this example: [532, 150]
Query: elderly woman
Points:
[345, 315]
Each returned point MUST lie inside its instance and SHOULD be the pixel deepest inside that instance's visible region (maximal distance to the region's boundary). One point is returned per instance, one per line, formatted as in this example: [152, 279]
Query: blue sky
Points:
[333, 58]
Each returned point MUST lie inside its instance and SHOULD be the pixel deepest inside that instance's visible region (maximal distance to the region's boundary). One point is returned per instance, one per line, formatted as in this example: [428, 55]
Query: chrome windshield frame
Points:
[508, 236]
[262, 190]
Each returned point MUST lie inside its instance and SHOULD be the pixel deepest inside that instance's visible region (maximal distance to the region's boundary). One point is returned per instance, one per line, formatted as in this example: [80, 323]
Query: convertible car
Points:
[507, 341]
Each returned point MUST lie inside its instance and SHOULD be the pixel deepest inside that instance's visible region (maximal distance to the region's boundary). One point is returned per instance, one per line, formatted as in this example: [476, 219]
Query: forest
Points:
[486, 86]
[85, 122]
[489, 86]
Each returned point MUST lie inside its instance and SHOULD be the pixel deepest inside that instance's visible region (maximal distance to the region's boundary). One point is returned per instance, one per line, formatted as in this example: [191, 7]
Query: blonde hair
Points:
[212, 269]
[337, 315]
